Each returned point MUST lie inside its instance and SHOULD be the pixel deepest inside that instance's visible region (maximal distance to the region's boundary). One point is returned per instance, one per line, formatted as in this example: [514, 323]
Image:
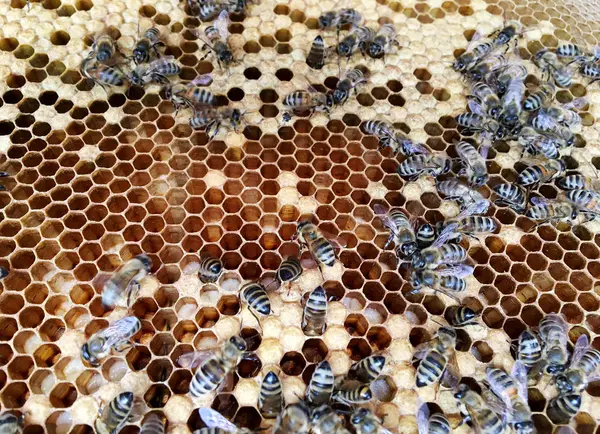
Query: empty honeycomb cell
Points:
[14, 395]
[20, 368]
[138, 358]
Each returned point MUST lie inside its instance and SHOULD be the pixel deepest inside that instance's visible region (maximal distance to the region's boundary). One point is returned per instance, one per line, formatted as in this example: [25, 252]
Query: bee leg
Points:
[132, 291]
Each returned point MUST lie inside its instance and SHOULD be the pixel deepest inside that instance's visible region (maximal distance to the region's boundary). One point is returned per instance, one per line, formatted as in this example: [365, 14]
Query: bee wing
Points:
[581, 347]
[214, 419]
[477, 36]
[222, 25]
[519, 374]
[495, 403]
[451, 376]
[411, 147]
[460, 271]
[539, 201]
[421, 350]
[382, 213]
[597, 51]
[337, 242]
[202, 80]
[113, 334]
[447, 234]
[486, 144]
[194, 358]
[479, 207]
[476, 108]
[565, 430]
[577, 103]
[423, 419]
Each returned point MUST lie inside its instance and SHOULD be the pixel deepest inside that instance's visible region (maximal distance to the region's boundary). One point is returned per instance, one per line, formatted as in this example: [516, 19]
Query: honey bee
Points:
[289, 270]
[474, 163]
[401, 230]
[480, 121]
[437, 359]
[358, 38]
[352, 79]
[270, 397]
[586, 201]
[419, 165]
[545, 122]
[217, 424]
[207, 9]
[425, 235]
[536, 143]
[540, 172]
[541, 97]
[103, 48]
[438, 255]
[191, 94]
[512, 390]
[511, 195]
[156, 71]
[102, 75]
[154, 424]
[379, 129]
[320, 387]
[255, 296]
[511, 102]
[485, 68]
[546, 211]
[314, 316]
[336, 19]
[294, 418]
[11, 423]
[449, 281]
[472, 202]
[218, 35]
[325, 420]
[432, 423]
[307, 100]
[214, 367]
[509, 32]
[529, 349]
[553, 331]
[149, 41]
[123, 286]
[316, 56]
[460, 316]
[590, 70]
[352, 394]
[113, 417]
[113, 338]
[365, 422]
[568, 51]
[501, 78]
[320, 247]
[210, 269]
[578, 182]
[485, 96]
[562, 408]
[368, 369]
[383, 41]
[476, 410]
[474, 54]
[551, 65]
[212, 118]
[474, 225]
[3, 272]
[582, 370]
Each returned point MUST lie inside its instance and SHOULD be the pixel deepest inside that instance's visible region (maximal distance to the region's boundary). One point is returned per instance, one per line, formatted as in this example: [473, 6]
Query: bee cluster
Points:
[212, 326]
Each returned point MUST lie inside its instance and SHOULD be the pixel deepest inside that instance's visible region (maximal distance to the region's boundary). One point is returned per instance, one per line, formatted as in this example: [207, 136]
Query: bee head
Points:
[510, 119]
[88, 357]
[326, 19]
[126, 398]
[563, 384]
[271, 378]
[226, 56]
[555, 368]
[478, 181]
[500, 133]
[416, 280]
[344, 49]
[525, 427]
[3, 272]
[146, 261]
[136, 78]
[571, 141]
[339, 96]
[139, 55]
[494, 111]
[407, 249]
[236, 115]
[461, 391]
[359, 415]
[418, 260]
[103, 55]
[469, 314]
[238, 342]
[375, 49]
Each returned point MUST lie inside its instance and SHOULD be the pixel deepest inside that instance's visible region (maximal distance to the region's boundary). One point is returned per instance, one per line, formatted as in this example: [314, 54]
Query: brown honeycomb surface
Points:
[97, 179]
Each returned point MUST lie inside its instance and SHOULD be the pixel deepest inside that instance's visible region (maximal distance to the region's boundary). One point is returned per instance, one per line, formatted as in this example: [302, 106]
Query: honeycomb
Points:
[97, 178]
